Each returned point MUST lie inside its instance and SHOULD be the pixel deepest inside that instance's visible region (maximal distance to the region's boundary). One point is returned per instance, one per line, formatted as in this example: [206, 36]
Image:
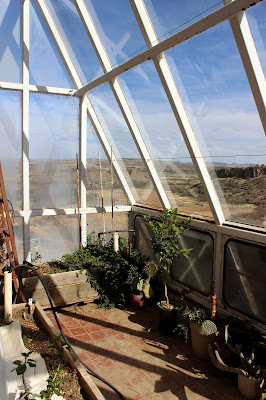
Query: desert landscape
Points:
[53, 184]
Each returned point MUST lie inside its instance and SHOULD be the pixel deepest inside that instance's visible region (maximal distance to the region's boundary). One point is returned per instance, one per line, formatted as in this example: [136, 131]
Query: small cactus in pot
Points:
[208, 327]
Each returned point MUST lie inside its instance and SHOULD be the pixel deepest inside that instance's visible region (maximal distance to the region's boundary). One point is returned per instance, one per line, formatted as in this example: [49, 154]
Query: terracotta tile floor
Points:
[125, 348]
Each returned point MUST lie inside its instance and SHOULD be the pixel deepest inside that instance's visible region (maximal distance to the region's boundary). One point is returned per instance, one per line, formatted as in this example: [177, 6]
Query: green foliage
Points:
[198, 315]
[165, 240]
[22, 365]
[54, 380]
[53, 385]
[115, 271]
[21, 368]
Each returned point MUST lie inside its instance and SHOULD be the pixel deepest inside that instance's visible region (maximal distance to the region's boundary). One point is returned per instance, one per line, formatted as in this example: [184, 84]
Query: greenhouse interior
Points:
[132, 199]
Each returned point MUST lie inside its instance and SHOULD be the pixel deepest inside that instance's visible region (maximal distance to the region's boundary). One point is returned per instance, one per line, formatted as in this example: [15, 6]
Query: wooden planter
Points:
[64, 288]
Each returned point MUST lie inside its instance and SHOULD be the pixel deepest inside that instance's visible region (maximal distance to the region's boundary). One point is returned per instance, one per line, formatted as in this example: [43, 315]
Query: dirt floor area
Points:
[37, 340]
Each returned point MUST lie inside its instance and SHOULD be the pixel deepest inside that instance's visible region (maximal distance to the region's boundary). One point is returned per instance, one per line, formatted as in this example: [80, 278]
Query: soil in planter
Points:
[35, 339]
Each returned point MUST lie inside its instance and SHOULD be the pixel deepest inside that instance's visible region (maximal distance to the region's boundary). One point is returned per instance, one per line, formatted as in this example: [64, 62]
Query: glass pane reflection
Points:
[10, 43]
[256, 19]
[53, 236]
[163, 139]
[11, 148]
[171, 16]
[214, 88]
[96, 196]
[54, 127]
[245, 278]
[124, 148]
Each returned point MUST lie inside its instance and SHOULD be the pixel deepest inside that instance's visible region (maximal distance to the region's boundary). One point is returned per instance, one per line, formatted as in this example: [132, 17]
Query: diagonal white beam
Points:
[178, 108]
[121, 100]
[198, 27]
[251, 62]
[77, 83]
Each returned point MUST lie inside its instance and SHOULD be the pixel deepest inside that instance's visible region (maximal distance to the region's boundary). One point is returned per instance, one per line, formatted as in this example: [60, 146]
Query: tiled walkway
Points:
[125, 348]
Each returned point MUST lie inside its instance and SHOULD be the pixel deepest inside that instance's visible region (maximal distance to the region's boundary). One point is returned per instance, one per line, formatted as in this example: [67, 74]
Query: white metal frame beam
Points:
[83, 167]
[25, 127]
[198, 27]
[77, 82]
[251, 62]
[121, 100]
[178, 108]
[36, 88]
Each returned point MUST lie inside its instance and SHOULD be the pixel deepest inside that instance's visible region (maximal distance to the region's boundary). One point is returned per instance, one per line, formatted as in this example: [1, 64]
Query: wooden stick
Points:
[213, 301]
[101, 183]
[112, 187]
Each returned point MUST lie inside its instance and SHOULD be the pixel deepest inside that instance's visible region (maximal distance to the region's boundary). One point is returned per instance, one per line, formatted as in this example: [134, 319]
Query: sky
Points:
[207, 70]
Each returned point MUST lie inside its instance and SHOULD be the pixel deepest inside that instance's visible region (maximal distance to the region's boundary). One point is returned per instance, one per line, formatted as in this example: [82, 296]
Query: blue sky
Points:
[207, 70]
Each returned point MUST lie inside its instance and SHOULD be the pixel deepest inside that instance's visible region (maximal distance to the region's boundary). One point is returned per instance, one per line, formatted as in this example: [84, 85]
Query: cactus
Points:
[208, 327]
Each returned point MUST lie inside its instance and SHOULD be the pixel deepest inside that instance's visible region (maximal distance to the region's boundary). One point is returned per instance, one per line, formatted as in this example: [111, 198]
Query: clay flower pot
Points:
[200, 341]
[137, 300]
[249, 387]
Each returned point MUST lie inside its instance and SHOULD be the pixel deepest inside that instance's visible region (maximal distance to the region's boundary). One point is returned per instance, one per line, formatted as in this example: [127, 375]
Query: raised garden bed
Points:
[37, 333]
[65, 288]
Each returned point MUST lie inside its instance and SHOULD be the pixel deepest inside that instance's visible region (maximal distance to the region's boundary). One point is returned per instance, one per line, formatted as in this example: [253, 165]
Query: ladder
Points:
[7, 236]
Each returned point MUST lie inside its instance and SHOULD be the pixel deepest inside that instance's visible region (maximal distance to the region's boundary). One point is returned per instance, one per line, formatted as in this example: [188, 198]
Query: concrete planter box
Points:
[64, 288]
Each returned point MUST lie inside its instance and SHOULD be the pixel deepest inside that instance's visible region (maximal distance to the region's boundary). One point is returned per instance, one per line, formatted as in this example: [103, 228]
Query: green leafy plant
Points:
[110, 273]
[53, 385]
[142, 284]
[165, 241]
[199, 316]
[54, 380]
[21, 368]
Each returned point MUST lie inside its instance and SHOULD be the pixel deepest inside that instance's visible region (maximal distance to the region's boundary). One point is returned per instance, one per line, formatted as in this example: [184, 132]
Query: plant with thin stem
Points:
[165, 241]
[53, 384]
[22, 368]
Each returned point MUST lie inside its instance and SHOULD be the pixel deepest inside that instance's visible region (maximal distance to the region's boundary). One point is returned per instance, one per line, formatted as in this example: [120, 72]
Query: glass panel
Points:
[10, 43]
[173, 16]
[11, 148]
[245, 278]
[53, 236]
[123, 145]
[54, 128]
[256, 19]
[163, 139]
[196, 271]
[75, 38]
[95, 155]
[142, 238]
[211, 79]
[46, 65]
[99, 223]
[119, 31]
[18, 233]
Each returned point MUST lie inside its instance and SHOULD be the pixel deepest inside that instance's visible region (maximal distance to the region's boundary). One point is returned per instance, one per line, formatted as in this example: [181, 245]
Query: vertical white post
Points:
[7, 296]
[83, 167]
[116, 241]
[25, 127]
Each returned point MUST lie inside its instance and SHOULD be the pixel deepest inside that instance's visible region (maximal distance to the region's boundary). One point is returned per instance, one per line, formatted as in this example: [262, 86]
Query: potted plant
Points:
[251, 377]
[141, 286]
[203, 332]
[165, 242]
